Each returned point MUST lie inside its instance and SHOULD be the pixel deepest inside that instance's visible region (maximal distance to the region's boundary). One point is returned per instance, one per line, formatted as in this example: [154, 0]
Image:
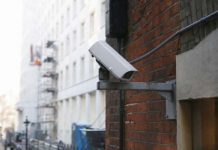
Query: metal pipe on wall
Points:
[203, 19]
[122, 104]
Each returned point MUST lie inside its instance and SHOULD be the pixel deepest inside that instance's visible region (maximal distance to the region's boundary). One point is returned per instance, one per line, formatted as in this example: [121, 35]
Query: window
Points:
[74, 73]
[61, 81]
[82, 4]
[82, 117]
[52, 33]
[61, 3]
[49, 16]
[67, 48]
[57, 30]
[82, 69]
[82, 32]
[73, 109]
[53, 11]
[62, 50]
[74, 39]
[103, 11]
[92, 24]
[58, 5]
[67, 77]
[49, 35]
[74, 8]
[62, 24]
[68, 17]
[92, 66]
[92, 109]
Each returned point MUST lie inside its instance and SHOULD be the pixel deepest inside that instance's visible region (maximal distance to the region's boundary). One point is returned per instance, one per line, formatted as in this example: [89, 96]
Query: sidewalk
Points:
[1, 146]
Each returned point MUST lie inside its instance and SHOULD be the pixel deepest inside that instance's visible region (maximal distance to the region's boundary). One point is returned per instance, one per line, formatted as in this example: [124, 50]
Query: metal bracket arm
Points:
[167, 90]
[148, 86]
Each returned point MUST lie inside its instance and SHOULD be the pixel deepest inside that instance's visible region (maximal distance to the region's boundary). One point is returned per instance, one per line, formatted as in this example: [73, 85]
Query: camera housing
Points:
[112, 60]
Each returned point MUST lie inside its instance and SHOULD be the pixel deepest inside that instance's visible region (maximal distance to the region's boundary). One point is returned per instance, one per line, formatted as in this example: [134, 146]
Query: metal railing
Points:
[42, 145]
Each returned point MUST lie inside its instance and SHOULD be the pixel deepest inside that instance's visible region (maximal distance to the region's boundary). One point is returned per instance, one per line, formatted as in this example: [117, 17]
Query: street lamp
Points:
[26, 122]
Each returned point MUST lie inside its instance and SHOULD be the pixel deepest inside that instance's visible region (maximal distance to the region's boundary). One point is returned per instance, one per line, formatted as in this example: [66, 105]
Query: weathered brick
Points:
[168, 139]
[150, 22]
[163, 147]
[136, 117]
[137, 126]
[136, 107]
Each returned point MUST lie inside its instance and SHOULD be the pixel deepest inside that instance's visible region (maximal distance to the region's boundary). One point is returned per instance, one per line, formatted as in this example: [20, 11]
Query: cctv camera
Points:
[112, 60]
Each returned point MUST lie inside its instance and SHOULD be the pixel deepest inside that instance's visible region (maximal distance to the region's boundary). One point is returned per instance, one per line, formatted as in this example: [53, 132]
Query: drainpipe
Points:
[122, 105]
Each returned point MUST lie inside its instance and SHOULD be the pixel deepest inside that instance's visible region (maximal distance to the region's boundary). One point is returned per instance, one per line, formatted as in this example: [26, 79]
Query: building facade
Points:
[8, 113]
[175, 46]
[80, 24]
[73, 26]
[27, 103]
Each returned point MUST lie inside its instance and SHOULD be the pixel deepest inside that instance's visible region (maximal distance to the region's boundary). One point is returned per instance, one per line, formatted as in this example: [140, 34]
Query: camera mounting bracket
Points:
[165, 89]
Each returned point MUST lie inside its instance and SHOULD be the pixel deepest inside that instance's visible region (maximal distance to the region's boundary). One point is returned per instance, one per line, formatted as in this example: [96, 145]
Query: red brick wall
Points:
[146, 128]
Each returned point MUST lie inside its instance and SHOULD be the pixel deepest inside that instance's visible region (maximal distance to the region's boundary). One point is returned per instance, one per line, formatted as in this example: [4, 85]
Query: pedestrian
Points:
[61, 146]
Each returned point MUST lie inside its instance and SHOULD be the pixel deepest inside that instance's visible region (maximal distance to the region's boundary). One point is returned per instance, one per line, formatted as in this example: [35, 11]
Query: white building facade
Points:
[8, 113]
[74, 25]
[78, 100]
[27, 103]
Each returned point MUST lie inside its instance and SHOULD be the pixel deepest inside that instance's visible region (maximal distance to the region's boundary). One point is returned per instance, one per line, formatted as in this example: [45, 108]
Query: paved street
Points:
[1, 147]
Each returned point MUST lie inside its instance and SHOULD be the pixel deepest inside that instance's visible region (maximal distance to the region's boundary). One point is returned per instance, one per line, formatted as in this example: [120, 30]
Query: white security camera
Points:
[112, 60]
